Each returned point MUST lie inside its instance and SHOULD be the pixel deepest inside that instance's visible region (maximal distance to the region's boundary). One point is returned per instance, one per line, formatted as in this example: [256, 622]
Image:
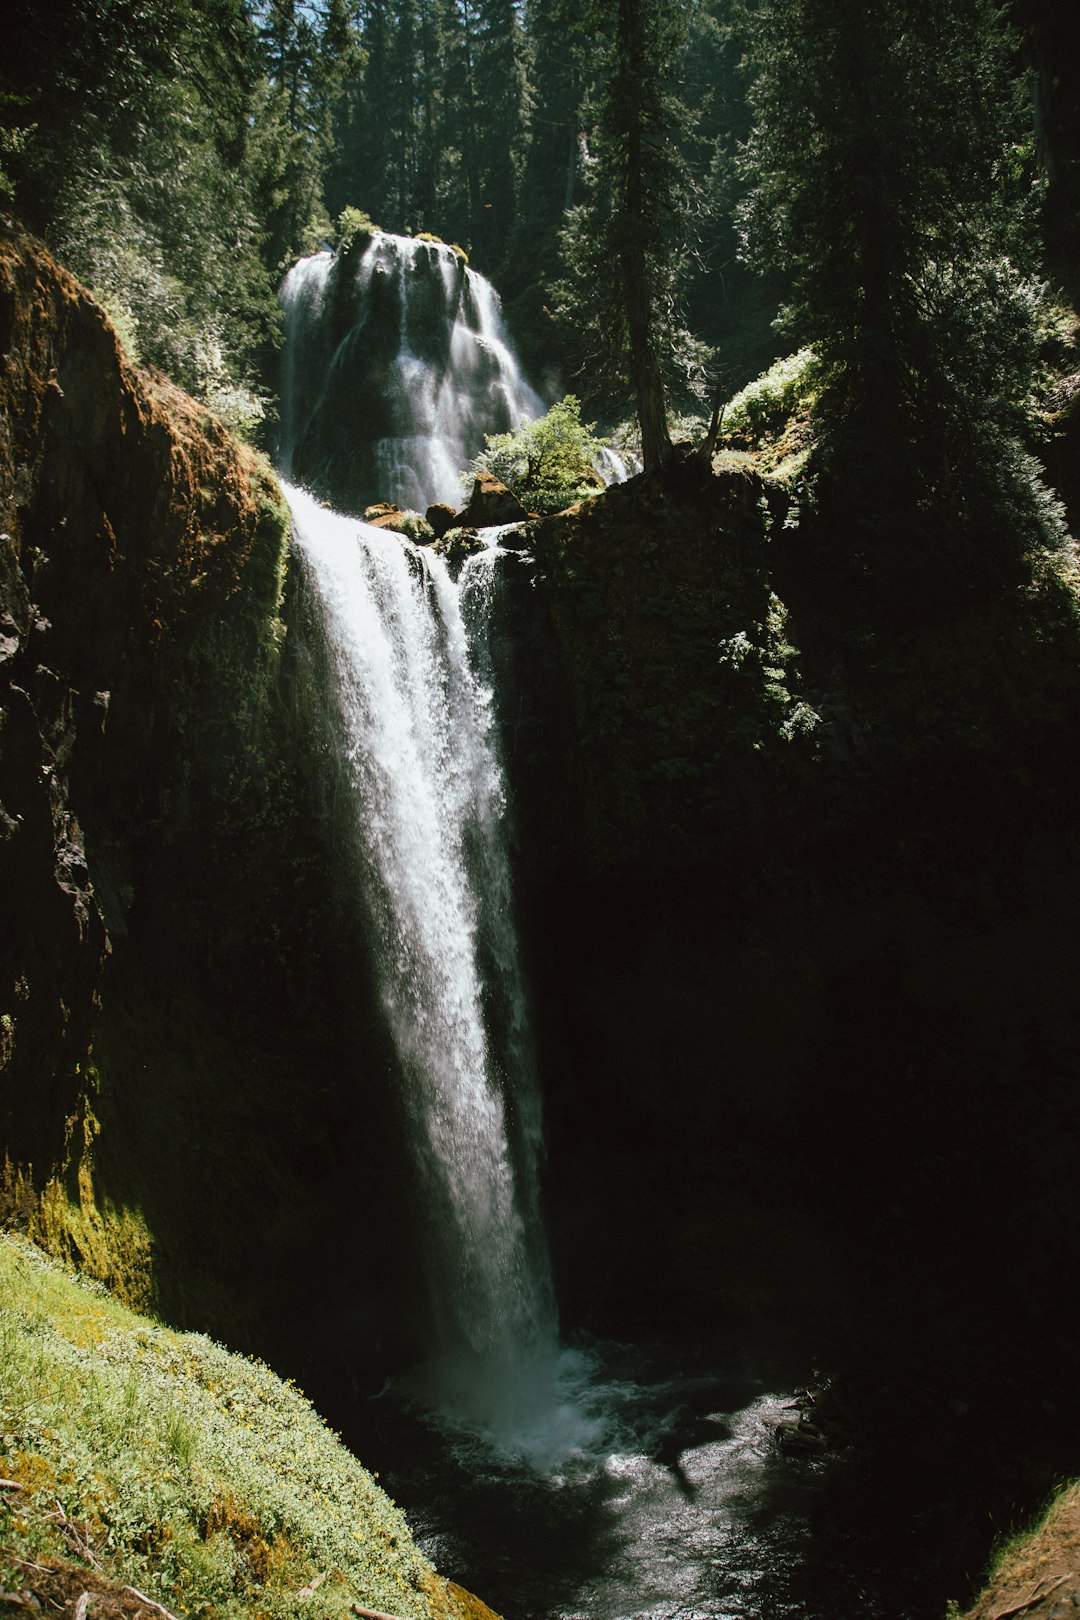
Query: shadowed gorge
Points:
[593, 997]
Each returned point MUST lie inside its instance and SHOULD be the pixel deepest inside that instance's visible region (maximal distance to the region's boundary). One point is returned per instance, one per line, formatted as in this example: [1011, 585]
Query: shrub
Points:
[763, 406]
[350, 225]
[549, 463]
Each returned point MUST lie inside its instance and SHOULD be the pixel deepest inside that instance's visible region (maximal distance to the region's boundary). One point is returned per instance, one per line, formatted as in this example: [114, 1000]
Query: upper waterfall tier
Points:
[397, 363]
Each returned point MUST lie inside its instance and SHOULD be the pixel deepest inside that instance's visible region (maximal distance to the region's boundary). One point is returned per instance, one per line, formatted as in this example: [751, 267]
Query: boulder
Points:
[408, 524]
[490, 503]
[457, 544]
[441, 518]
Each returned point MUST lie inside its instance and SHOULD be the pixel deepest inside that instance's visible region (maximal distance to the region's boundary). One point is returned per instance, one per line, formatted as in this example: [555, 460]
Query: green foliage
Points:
[13, 141]
[764, 404]
[623, 247]
[883, 182]
[548, 463]
[145, 182]
[193, 1474]
[352, 225]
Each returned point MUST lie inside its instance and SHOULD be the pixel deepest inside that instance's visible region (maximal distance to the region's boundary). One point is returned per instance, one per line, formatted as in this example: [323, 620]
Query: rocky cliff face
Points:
[799, 884]
[191, 1064]
[135, 533]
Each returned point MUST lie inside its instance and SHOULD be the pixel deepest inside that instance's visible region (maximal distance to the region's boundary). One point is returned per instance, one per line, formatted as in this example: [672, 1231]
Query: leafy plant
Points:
[764, 404]
[548, 463]
[350, 225]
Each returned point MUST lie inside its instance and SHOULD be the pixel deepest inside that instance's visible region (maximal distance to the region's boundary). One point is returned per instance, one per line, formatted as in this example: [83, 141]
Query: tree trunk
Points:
[638, 290]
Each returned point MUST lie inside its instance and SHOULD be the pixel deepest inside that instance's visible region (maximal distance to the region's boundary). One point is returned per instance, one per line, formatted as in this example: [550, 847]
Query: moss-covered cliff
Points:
[142, 565]
[185, 1027]
[144, 1467]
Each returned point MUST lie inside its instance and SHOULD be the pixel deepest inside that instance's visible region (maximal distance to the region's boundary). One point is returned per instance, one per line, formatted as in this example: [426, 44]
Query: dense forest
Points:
[900, 185]
[766, 755]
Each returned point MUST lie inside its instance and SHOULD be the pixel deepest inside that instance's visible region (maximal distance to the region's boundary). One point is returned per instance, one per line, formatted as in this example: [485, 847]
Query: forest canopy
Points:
[648, 182]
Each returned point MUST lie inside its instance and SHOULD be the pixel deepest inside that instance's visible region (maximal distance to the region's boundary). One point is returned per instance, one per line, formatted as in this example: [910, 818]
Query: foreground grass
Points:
[177, 1468]
[1034, 1572]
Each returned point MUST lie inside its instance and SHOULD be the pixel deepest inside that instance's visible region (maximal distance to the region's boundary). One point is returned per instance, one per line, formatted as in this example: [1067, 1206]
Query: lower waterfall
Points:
[426, 822]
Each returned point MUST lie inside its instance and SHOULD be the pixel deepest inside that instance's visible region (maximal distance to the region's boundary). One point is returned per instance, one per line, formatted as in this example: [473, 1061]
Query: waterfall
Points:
[616, 469]
[396, 365]
[415, 736]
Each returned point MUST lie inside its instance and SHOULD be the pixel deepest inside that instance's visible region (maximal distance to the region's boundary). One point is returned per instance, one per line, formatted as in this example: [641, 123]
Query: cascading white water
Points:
[397, 363]
[413, 713]
[616, 469]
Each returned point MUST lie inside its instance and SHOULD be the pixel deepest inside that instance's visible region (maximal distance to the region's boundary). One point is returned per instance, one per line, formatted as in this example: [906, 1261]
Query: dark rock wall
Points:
[190, 1068]
[125, 520]
[798, 895]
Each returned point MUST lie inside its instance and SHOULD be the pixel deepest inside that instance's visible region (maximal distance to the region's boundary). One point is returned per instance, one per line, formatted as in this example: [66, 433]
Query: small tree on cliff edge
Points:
[621, 248]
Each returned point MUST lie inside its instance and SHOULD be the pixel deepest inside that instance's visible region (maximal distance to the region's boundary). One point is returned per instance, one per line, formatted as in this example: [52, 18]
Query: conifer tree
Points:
[498, 82]
[624, 246]
[432, 161]
[878, 176]
[339, 89]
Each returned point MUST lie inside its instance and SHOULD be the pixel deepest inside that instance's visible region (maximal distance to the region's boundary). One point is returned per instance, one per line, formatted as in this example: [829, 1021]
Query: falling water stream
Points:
[427, 816]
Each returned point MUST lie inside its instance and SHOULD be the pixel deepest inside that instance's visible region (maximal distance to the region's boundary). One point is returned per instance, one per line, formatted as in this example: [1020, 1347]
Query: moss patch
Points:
[1037, 1572]
[166, 1464]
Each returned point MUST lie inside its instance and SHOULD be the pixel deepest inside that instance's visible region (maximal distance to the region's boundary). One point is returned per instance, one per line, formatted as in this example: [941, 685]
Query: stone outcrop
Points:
[173, 955]
[490, 503]
[441, 518]
[133, 531]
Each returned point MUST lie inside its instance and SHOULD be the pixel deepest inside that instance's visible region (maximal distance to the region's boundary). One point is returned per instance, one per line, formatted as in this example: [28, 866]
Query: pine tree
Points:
[878, 165]
[501, 100]
[624, 246]
[339, 91]
[432, 166]
[373, 149]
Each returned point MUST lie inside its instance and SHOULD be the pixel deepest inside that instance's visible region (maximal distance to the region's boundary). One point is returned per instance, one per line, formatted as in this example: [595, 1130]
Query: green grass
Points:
[186, 1471]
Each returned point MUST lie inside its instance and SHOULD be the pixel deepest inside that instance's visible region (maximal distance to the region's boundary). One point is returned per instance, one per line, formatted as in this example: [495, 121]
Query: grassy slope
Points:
[180, 1469]
[1036, 1573]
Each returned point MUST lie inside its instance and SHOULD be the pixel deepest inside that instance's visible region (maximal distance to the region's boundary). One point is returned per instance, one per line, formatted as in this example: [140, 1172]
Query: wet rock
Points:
[441, 518]
[128, 521]
[396, 521]
[457, 544]
[491, 503]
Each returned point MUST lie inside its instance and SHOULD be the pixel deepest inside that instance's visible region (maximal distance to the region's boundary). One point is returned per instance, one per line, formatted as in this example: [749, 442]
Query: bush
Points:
[763, 406]
[350, 225]
[550, 463]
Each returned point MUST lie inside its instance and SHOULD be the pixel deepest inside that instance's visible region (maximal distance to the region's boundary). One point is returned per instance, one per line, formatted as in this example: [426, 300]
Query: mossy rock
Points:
[458, 543]
[408, 524]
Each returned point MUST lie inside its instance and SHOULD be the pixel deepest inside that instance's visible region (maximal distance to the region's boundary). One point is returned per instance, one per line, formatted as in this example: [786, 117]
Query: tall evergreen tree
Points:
[293, 127]
[500, 120]
[432, 165]
[557, 76]
[878, 167]
[624, 247]
[339, 88]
